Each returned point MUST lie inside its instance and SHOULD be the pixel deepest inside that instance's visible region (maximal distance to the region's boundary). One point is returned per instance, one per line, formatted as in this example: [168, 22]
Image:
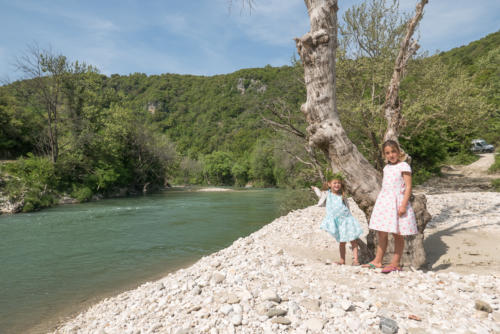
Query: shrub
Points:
[83, 194]
[296, 199]
[495, 167]
[428, 151]
[496, 184]
[462, 158]
[35, 180]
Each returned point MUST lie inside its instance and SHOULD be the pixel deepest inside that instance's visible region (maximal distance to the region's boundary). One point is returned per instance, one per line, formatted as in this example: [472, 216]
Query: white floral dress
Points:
[385, 213]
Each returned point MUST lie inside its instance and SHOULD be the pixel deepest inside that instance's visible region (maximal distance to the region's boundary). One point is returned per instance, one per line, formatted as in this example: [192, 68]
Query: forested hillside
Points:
[77, 132]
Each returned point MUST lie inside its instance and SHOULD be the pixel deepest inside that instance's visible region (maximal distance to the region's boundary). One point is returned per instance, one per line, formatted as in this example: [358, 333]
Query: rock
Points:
[388, 326]
[271, 295]
[245, 295]
[262, 308]
[293, 308]
[232, 299]
[281, 321]
[481, 315]
[314, 324]
[299, 284]
[237, 308]
[483, 306]
[194, 309]
[337, 312]
[236, 319]
[353, 324]
[310, 304]
[67, 200]
[11, 207]
[182, 331]
[263, 318]
[347, 306]
[196, 290]
[276, 261]
[226, 309]
[272, 312]
[218, 277]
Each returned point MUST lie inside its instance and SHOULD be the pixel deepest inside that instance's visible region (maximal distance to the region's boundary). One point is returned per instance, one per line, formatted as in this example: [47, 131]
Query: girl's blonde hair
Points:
[393, 144]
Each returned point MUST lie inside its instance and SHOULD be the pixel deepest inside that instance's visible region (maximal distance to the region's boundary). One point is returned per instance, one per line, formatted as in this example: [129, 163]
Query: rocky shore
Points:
[281, 279]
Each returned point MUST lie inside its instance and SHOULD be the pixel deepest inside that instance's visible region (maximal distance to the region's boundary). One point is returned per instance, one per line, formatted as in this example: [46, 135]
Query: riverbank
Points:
[12, 207]
[281, 279]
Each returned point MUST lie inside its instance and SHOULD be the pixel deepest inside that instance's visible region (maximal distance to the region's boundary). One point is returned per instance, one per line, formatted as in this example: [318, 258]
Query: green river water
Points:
[58, 261]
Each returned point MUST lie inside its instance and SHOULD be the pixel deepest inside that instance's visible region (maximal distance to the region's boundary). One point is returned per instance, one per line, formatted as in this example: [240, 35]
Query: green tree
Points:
[217, 168]
[262, 164]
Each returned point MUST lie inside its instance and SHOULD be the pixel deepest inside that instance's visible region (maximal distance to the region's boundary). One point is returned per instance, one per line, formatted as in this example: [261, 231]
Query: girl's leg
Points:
[399, 244]
[381, 248]
[354, 245]
[342, 253]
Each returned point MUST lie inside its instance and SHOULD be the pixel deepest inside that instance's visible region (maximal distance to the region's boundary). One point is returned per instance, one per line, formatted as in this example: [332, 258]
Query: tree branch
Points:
[392, 103]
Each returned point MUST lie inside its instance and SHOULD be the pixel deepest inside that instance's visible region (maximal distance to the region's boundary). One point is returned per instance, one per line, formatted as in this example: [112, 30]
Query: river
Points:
[58, 261]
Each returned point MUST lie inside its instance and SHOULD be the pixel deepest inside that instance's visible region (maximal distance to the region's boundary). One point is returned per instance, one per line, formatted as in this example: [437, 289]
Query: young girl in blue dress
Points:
[339, 221]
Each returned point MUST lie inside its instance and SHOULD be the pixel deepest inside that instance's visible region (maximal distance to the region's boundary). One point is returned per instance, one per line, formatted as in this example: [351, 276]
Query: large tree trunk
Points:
[317, 50]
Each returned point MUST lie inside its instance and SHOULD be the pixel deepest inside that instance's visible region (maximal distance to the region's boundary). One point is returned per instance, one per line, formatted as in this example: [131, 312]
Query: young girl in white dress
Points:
[338, 220]
[392, 212]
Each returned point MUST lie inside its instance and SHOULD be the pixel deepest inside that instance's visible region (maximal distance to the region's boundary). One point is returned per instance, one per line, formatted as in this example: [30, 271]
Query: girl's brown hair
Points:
[342, 189]
[393, 144]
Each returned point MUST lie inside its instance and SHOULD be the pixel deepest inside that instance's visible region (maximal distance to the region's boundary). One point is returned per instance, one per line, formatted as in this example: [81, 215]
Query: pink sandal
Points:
[390, 269]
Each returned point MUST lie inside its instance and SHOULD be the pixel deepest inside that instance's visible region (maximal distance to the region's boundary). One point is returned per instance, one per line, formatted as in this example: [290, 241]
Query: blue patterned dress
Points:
[339, 221]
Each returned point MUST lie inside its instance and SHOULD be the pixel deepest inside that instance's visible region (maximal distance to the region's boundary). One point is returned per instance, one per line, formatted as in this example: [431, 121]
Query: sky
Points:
[200, 37]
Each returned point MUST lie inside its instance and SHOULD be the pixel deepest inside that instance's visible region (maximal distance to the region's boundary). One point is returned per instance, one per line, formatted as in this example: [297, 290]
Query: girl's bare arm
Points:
[316, 191]
[406, 197]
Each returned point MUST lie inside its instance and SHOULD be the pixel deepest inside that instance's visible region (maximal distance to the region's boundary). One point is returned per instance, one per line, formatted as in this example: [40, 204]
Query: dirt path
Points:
[476, 169]
[462, 178]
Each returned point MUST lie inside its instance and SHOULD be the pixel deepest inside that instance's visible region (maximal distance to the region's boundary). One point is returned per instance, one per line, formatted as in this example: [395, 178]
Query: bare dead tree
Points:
[409, 47]
[46, 72]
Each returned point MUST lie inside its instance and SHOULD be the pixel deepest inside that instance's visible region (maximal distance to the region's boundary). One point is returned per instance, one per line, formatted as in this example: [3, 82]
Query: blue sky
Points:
[201, 37]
